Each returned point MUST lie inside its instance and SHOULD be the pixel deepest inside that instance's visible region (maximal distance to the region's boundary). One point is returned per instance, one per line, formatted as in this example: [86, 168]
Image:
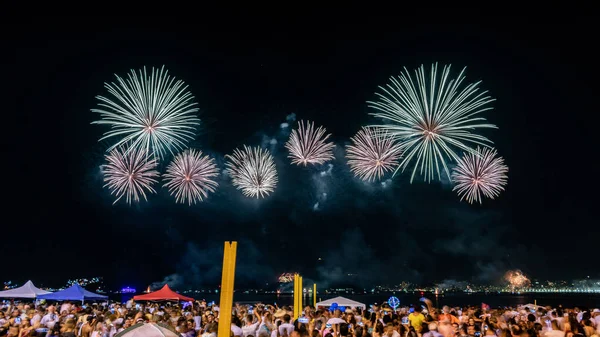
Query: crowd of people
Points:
[201, 319]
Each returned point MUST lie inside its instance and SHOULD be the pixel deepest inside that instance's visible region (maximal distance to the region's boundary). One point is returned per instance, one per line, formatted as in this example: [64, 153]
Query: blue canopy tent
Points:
[74, 293]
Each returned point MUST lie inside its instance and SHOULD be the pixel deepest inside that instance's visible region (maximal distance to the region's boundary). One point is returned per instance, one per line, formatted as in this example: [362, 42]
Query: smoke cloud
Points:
[201, 266]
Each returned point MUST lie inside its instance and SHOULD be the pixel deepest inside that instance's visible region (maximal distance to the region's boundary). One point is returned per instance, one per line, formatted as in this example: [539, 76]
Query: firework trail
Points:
[252, 171]
[153, 112]
[516, 280]
[431, 117]
[372, 154]
[190, 176]
[307, 145]
[129, 173]
[480, 174]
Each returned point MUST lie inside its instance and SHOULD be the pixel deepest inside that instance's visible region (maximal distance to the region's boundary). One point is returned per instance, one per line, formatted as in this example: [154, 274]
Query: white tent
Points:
[28, 290]
[148, 330]
[342, 302]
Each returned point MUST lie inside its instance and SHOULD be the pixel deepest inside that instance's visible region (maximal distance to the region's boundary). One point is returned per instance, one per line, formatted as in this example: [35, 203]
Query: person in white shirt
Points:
[554, 331]
[286, 325]
[197, 322]
[65, 307]
[596, 319]
[37, 317]
[50, 319]
[250, 328]
[235, 327]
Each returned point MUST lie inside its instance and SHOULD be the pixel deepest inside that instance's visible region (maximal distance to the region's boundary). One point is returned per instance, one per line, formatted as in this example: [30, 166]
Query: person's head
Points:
[455, 327]
[432, 326]
[471, 330]
[446, 309]
[343, 329]
[379, 327]
[389, 329]
[286, 318]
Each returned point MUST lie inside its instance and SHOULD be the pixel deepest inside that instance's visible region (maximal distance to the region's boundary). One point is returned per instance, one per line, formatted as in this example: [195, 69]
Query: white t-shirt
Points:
[49, 320]
[289, 328]
[197, 323]
[554, 333]
[248, 330]
[237, 331]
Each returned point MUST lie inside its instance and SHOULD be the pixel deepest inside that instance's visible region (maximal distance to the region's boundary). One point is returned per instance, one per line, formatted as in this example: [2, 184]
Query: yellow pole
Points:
[227, 281]
[315, 295]
[300, 297]
[295, 295]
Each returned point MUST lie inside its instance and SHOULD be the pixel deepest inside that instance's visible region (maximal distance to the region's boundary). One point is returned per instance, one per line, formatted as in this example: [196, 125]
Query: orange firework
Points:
[516, 279]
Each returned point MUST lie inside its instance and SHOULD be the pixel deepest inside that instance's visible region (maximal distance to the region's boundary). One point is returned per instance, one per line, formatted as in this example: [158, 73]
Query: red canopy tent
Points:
[165, 294]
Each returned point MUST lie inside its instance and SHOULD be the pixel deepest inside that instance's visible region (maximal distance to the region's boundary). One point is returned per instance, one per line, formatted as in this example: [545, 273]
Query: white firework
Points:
[372, 154]
[190, 176]
[480, 174]
[308, 145]
[153, 112]
[431, 117]
[252, 171]
[129, 174]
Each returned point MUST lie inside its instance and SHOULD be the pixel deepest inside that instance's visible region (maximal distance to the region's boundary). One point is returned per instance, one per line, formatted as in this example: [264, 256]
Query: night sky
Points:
[59, 222]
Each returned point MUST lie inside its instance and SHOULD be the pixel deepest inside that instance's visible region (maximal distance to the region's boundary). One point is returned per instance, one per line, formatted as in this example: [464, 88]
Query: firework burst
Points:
[252, 171]
[307, 145]
[516, 280]
[129, 173]
[190, 176]
[372, 153]
[431, 117]
[153, 112]
[480, 174]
